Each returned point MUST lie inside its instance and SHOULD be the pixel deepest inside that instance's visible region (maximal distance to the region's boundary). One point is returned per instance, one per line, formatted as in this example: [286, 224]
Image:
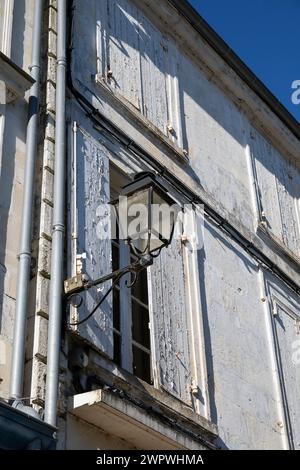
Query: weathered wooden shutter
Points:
[288, 180]
[118, 48]
[169, 323]
[153, 56]
[140, 64]
[263, 164]
[287, 325]
[91, 246]
[277, 192]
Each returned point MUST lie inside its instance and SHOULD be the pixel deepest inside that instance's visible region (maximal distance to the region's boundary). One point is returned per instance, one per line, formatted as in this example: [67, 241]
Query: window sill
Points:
[17, 82]
[117, 99]
[157, 405]
[263, 232]
[121, 417]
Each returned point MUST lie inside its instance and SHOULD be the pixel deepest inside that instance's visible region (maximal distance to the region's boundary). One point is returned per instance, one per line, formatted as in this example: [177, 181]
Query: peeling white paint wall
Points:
[246, 177]
[148, 79]
[241, 383]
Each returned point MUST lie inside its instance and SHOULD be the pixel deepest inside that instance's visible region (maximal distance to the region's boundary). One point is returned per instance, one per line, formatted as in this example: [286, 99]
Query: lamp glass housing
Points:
[148, 213]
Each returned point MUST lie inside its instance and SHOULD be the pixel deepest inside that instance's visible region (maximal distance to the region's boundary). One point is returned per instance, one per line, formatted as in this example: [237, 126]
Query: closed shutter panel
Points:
[91, 246]
[123, 50]
[287, 198]
[287, 325]
[140, 64]
[277, 193]
[168, 323]
[153, 74]
[267, 197]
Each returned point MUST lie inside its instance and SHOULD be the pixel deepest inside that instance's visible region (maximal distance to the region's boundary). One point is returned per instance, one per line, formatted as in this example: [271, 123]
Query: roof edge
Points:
[239, 67]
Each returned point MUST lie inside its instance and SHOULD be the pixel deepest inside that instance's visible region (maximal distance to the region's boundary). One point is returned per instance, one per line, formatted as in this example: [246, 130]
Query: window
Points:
[285, 324]
[119, 329]
[141, 65]
[131, 331]
[277, 194]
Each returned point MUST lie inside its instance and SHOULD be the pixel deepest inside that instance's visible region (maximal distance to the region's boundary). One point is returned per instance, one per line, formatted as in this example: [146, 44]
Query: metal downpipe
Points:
[17, 371]
[57, 257]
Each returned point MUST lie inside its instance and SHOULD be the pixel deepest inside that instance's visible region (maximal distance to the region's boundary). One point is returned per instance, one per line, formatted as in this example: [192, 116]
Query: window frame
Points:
[126, 296]
[129, 164]
[280, 301]
[173, 139]
[260, 204]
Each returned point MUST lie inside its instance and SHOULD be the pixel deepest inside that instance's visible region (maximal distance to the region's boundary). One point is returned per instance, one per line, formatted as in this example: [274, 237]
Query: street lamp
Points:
[146, 216]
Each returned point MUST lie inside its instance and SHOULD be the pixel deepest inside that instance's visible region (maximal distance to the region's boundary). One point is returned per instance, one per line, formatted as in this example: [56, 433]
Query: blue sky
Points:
[266, 36]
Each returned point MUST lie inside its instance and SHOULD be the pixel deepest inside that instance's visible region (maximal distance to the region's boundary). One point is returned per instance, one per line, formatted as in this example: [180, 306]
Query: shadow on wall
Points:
[208, 345]
[15, 120]
[127, 34]
[215, 131]
[18, 35]
[135, 41]
[205, 279]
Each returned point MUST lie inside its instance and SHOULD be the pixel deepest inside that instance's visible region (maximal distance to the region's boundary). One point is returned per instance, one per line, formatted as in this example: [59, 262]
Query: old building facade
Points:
[203, 352]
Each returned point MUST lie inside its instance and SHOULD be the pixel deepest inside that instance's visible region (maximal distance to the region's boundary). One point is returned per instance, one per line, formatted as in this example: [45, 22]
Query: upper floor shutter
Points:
[118, 48]
[277, 193]
[287, 181]
[140, 64]
[90, 226]
[153, 57]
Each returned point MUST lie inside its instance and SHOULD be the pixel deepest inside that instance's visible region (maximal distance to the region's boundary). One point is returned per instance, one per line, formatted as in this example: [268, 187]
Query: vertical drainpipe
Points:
[57, 257]
[18, 356]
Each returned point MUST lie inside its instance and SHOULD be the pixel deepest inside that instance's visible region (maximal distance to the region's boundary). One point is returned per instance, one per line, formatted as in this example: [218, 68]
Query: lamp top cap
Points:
[147, 179]
[140, 180]
[144, 174]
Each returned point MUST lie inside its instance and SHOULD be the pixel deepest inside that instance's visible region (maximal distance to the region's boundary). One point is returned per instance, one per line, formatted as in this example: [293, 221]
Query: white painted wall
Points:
[155, 83]
[241, 381]
[214, 131]
[226, 154]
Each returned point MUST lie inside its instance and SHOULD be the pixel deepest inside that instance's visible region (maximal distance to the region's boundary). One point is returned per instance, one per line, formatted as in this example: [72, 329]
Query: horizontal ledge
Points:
[121, 417]
[15, 78]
